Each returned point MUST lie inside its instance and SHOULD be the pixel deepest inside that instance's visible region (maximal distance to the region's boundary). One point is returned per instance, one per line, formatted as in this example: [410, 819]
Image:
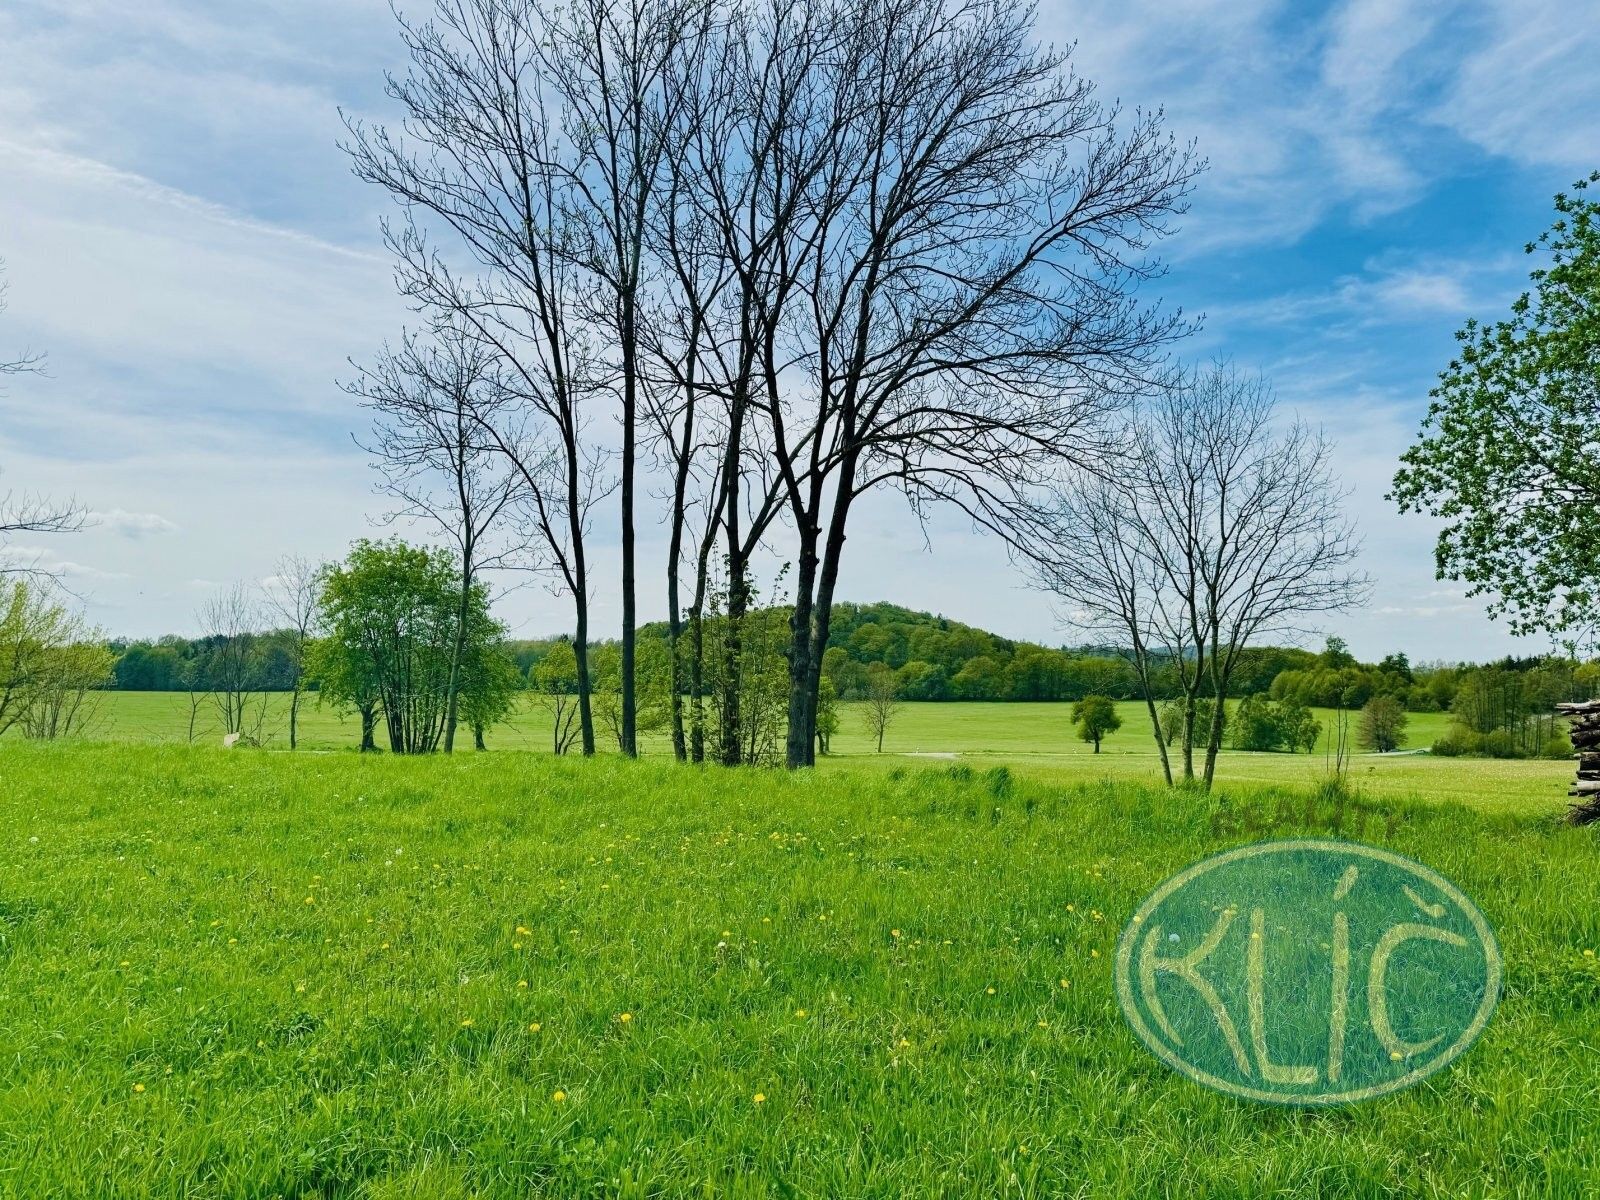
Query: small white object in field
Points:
[231, 740]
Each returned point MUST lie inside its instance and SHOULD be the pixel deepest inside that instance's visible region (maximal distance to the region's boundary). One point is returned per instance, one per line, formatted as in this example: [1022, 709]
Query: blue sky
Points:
[185, 240]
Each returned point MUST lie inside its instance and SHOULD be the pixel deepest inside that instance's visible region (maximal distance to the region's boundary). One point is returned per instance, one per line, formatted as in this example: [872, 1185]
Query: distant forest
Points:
[935, 658]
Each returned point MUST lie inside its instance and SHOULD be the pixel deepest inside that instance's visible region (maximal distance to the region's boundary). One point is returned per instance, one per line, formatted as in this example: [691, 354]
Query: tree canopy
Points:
[1509, 453]
[390, 613]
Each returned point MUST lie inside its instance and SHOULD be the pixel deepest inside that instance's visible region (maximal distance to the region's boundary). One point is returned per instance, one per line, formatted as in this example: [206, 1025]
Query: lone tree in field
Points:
[1509, 454]
[1218, 527]
[233, 670]
[1382, 726]
[883, 701]
[1096, 717]
[291, 596]
[390, 612]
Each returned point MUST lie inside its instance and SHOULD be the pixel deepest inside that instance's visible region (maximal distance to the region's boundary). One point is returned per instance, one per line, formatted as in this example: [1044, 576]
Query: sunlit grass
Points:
[257, 974]
[1036, 738]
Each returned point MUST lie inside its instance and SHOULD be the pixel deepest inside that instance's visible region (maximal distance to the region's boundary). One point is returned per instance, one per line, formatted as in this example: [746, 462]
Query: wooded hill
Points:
[937, 658]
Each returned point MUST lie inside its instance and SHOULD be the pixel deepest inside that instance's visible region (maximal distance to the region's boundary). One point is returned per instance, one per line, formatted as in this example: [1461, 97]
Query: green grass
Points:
[312, 967]
[1036, 738]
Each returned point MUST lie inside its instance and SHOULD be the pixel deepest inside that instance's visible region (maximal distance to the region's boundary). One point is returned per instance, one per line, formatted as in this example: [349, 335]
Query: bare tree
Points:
[830, 246]
[436, 404]
[613, 68]
[292, 596]
[229, 624]
[934, 231]
[883, 701]
[1221, 527]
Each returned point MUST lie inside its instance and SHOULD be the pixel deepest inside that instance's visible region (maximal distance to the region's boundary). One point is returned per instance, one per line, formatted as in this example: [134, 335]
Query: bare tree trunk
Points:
[1161, 741]
[832, 553]
[458, 648]
[630, 387]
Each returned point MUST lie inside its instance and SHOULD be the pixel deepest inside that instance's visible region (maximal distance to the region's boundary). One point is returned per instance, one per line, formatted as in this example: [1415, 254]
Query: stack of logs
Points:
[1585, 717]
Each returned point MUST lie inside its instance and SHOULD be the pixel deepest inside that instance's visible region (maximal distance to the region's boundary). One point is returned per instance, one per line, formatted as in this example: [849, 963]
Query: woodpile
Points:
[1585, 733]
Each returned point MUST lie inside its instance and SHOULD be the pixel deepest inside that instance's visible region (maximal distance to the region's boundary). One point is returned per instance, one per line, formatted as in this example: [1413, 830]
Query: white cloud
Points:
[132, 524]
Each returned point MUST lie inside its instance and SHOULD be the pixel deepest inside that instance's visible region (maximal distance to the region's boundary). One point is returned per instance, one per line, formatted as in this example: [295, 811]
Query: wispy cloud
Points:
[42, 561]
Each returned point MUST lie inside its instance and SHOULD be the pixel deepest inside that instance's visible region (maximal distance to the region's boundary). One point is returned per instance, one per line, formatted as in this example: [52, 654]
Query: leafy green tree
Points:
[1301, 730]
[1257, 724]
[982, 678]
[391, 612]
[1509, 454]
[1382, 726]
[1171, 716]
[488, 682]
[883, 701]
[50, 663]
[827, 716]
[1096, 717]
[554, 679]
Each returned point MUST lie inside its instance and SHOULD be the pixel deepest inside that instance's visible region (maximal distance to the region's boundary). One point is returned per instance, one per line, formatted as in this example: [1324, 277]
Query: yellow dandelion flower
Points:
[124, 963]
[385, 946]
[1044, 1024]
[1094, 954]
[138, 1087]
[214, 924]
[801, 1013]
[516, 945]
[1066, 983]
[990, 991]
[311, 900]
[625, 1017]
[299, 987]
[760, 1097]
[233, 941]
[558, 1096]
[533, 1027]
[894, 933]
[766, 920]
[1588, 953]
[466, 1023]
[524, 931]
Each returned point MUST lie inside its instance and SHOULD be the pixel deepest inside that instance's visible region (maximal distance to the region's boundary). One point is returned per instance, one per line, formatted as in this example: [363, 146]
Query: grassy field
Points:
[249, 974]
[1037, 738]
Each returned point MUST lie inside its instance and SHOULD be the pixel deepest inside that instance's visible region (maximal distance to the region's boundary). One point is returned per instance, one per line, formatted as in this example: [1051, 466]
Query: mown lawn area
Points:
[256, 974]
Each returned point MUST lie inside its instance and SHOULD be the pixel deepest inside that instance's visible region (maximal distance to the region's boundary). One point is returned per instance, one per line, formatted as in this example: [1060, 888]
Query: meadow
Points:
[259, 974]
[1035, 738]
